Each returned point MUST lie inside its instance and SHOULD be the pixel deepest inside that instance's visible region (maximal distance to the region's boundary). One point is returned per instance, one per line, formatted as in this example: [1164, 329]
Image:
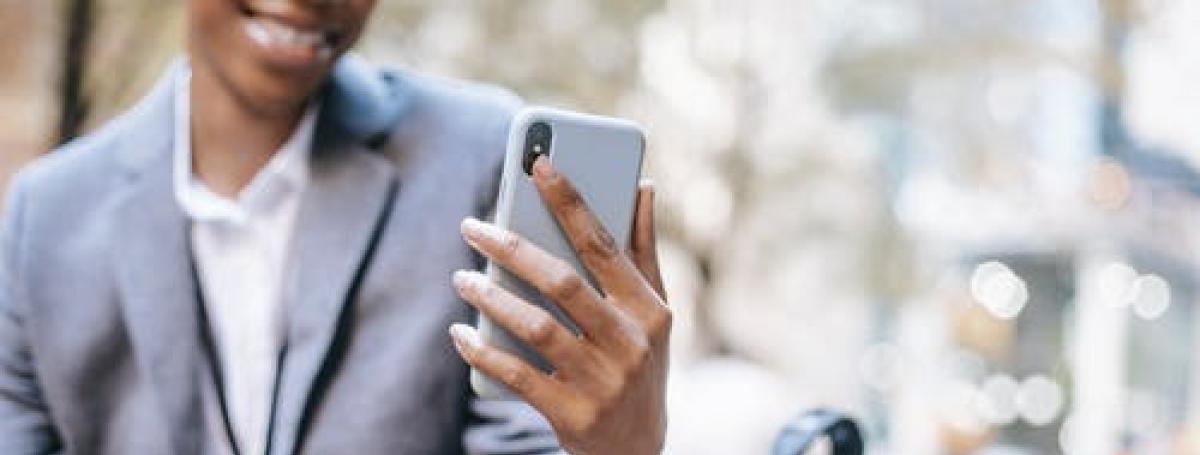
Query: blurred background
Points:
[971, 223]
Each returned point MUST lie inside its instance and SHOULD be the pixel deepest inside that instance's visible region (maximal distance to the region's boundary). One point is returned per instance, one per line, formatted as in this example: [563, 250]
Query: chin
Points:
[272, 56]
[278, 98]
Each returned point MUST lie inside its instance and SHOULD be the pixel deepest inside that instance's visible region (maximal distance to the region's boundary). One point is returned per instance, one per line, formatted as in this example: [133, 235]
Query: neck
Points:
[231, 142]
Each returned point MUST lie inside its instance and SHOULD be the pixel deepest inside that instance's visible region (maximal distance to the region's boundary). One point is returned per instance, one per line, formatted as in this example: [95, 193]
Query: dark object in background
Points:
[798, 436]
[74, 104]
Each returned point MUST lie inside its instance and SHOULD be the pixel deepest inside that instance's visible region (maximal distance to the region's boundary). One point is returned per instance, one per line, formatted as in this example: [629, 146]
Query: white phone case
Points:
[603, 159]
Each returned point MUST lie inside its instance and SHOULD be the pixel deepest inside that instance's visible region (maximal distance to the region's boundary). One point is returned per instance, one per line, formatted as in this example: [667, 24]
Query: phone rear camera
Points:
[537, 143]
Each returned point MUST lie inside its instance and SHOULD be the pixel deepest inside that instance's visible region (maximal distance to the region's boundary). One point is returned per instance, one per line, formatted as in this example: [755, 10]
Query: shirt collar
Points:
[285, 174]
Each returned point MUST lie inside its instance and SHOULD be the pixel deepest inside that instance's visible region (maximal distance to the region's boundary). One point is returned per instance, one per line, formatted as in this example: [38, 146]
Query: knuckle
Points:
[637, 339]
[541, 331]
[599, 244]
[509, 245]
[566, 286]
[661, 321]
[612, 393]
[517, 379]
[571, 201]
[639, 356]
[586, 420]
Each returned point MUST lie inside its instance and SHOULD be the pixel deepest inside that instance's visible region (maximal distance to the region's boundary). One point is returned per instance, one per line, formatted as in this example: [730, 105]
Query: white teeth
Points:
[258, 33]
[270, 33]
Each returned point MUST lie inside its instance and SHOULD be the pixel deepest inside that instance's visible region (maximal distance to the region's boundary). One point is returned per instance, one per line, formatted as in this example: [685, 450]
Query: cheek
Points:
[213, 28]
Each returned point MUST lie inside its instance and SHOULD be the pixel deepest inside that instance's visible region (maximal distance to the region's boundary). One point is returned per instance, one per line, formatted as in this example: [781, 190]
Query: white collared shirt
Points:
[240, 247]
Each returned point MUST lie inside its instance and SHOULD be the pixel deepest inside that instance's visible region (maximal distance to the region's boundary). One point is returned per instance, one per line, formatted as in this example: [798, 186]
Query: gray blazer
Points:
[102, 332]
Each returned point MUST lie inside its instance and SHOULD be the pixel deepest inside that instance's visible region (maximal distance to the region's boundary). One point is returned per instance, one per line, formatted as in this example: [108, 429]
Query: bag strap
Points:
[798, 436]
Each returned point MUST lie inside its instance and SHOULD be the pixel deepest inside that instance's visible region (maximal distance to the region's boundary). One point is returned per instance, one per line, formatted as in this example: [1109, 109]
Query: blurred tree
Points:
[74, 102]
[793, 143]
[134, 41]
[573, 53]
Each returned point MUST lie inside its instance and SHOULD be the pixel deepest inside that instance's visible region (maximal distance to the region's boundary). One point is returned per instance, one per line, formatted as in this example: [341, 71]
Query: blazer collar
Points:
[341, 219]
[361, 106]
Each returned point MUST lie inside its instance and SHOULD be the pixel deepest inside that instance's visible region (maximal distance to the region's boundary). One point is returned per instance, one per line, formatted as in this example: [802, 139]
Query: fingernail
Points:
[474, 229]
[468, 279]
[465, 336]
[542, 168]
[646, 184]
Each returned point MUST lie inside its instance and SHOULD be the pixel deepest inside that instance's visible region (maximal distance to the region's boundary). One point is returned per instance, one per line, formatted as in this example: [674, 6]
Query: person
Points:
[261, 257]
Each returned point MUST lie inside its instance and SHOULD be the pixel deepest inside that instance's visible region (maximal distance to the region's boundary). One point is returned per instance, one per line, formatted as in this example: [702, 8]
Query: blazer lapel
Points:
[159, 296]
[153, 271]
[341, 219]
[346, 205]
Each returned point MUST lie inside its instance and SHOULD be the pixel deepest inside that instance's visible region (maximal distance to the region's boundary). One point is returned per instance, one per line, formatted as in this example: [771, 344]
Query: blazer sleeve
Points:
[508, 428]
[25, 425]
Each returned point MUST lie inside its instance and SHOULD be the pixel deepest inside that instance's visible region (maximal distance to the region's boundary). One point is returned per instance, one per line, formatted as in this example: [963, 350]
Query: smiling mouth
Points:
[299, 43]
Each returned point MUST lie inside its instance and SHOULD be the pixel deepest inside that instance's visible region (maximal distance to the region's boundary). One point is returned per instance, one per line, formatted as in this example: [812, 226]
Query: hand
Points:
[607, 393]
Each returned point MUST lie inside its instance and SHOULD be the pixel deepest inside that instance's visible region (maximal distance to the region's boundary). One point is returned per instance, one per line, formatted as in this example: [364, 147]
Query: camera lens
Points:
[537, 142]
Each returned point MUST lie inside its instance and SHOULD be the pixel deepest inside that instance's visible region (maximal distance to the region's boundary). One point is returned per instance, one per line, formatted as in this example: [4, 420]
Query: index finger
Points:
[597, 249]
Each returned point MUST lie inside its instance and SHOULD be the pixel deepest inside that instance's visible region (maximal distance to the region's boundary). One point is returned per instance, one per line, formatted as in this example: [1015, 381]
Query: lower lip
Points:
[286, 56]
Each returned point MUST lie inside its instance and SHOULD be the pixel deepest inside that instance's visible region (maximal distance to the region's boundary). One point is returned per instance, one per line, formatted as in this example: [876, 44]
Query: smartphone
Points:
[602, 157]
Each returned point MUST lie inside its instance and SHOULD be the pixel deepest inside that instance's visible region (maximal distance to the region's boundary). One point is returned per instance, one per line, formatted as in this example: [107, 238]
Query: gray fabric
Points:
[102, 345]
